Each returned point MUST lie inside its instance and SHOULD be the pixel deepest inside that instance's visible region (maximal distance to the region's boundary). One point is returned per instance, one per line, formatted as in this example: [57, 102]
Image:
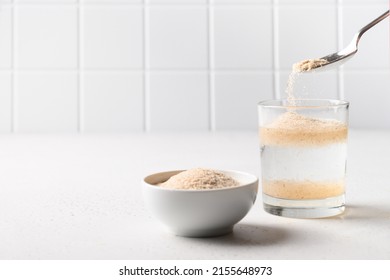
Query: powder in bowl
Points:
[199, 179]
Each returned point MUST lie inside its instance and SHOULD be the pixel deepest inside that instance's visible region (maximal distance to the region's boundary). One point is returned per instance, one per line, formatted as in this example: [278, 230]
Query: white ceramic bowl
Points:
[200, 213]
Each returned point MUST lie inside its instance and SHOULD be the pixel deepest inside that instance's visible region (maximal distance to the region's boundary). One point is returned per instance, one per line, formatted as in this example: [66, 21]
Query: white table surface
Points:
[79, 197]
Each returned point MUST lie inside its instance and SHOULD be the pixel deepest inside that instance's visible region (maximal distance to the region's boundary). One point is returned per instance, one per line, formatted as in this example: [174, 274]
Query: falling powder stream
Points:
[290, 88]
[297, 69]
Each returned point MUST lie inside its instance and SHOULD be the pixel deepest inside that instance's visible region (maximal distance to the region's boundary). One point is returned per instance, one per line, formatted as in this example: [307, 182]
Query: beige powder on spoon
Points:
[297, 68]
[308, 64]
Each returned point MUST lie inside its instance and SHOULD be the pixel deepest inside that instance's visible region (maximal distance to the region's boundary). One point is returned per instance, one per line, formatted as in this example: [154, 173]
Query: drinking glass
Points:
[303, 156]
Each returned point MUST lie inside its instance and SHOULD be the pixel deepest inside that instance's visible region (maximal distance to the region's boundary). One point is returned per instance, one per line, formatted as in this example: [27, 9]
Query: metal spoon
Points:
[338, 58]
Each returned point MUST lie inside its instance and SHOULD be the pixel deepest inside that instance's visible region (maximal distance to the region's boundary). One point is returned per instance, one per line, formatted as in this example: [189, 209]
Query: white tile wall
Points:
[360, 15]
[153, 65]
[46, 101]
[241, 2]
[176, 1]
[177, 37]
[242, 37]
[45, 36]
[178, 100]
[112, 101]
[240, 113]
[111, 1]
[6, 36]
[112, 37]
[304, 31]
[370, 104]
[5, 101]
[44, 1]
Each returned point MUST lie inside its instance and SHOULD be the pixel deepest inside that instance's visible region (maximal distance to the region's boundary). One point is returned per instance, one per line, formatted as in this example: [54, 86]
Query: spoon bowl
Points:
[340, 57]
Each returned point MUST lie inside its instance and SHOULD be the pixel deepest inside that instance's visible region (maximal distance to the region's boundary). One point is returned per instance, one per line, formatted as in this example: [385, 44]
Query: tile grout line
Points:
[78, 67]
[340, 70]
[13, 78]
[80, 97]
[145, 73]
[275, 53]
[210, 66]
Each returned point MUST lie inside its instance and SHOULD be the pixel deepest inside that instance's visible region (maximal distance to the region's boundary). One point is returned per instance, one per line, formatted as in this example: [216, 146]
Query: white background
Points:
[163, 65]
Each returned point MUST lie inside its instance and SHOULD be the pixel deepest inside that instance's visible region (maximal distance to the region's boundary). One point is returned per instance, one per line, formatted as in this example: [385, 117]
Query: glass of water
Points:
[303, 157]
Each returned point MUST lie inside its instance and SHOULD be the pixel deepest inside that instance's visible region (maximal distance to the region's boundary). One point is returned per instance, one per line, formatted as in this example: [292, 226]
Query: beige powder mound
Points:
[309, 64]
[293, 129]
[198, 179]
[303, 189]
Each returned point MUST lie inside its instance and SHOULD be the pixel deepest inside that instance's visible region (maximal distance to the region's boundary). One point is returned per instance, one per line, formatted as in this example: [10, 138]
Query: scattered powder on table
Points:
[295, 129]
[200, 178]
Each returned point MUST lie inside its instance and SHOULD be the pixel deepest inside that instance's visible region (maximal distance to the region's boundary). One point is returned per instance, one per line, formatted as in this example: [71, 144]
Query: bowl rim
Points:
[255, 179]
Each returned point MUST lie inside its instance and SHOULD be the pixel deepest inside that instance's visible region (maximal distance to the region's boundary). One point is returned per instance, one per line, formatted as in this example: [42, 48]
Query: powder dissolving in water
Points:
[305, 157]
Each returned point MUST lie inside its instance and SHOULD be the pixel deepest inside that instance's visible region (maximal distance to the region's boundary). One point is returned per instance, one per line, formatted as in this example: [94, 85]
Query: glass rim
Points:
[324, 103]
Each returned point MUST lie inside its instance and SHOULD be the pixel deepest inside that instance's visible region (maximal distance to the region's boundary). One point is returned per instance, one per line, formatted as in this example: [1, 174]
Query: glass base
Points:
[304, 208]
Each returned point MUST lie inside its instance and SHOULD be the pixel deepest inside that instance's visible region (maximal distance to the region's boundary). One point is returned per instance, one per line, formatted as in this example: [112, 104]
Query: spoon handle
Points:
[371, 24]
